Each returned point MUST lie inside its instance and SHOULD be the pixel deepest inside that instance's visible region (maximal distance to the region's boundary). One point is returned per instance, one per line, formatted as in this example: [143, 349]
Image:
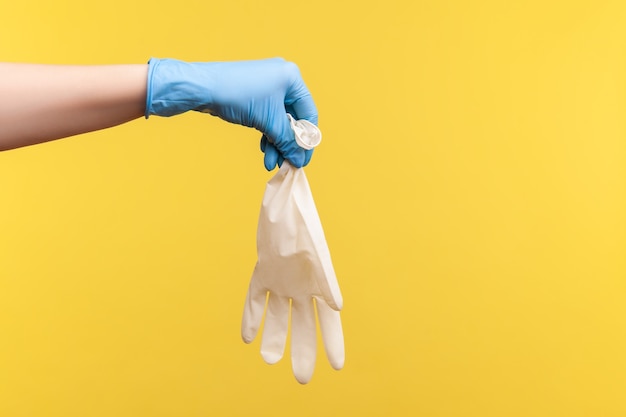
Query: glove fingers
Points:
[271, 157]
[303, 339]
[302, 104]
[253, 311]
[282, 136]
[308, 154]
[332, 334]
[275, 329]
[263, 143]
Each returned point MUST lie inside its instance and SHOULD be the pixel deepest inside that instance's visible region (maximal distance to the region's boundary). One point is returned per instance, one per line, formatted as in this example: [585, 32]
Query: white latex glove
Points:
[294, 265]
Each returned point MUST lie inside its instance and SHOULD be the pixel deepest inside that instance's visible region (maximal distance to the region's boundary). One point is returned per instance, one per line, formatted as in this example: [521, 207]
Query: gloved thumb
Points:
[282, 136]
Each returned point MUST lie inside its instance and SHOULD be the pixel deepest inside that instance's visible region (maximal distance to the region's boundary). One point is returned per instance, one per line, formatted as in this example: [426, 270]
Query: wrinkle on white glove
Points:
[294, 275]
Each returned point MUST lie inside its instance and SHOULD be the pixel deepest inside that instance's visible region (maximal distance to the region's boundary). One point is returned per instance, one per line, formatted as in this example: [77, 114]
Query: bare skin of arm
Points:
[39, 103]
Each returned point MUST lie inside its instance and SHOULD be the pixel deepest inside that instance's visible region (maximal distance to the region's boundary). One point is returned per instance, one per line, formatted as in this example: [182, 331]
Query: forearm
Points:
[39, 103]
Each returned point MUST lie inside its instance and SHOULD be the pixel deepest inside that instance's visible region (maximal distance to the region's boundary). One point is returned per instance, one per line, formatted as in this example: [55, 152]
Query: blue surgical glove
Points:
[256, 94]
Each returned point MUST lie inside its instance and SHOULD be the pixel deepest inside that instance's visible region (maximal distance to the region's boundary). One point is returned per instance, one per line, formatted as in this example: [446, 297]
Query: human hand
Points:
[256, 94]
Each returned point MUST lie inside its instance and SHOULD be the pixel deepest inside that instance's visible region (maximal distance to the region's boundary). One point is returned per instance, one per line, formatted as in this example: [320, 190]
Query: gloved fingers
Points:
[292, 152]
[275, 329]
[253, 311]
[303, 339]
[308, 154]
[299, 99]
[281, 135]
[272, 156]
[304, 108]
[332, 334]
[280, 160]
[295, 157]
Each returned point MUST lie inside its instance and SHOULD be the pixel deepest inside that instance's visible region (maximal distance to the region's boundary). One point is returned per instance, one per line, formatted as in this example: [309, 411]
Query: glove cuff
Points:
[175, 87]
[152, 64]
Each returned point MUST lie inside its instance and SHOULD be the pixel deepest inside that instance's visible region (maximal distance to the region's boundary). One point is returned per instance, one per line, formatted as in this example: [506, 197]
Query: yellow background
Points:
[471, 182]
